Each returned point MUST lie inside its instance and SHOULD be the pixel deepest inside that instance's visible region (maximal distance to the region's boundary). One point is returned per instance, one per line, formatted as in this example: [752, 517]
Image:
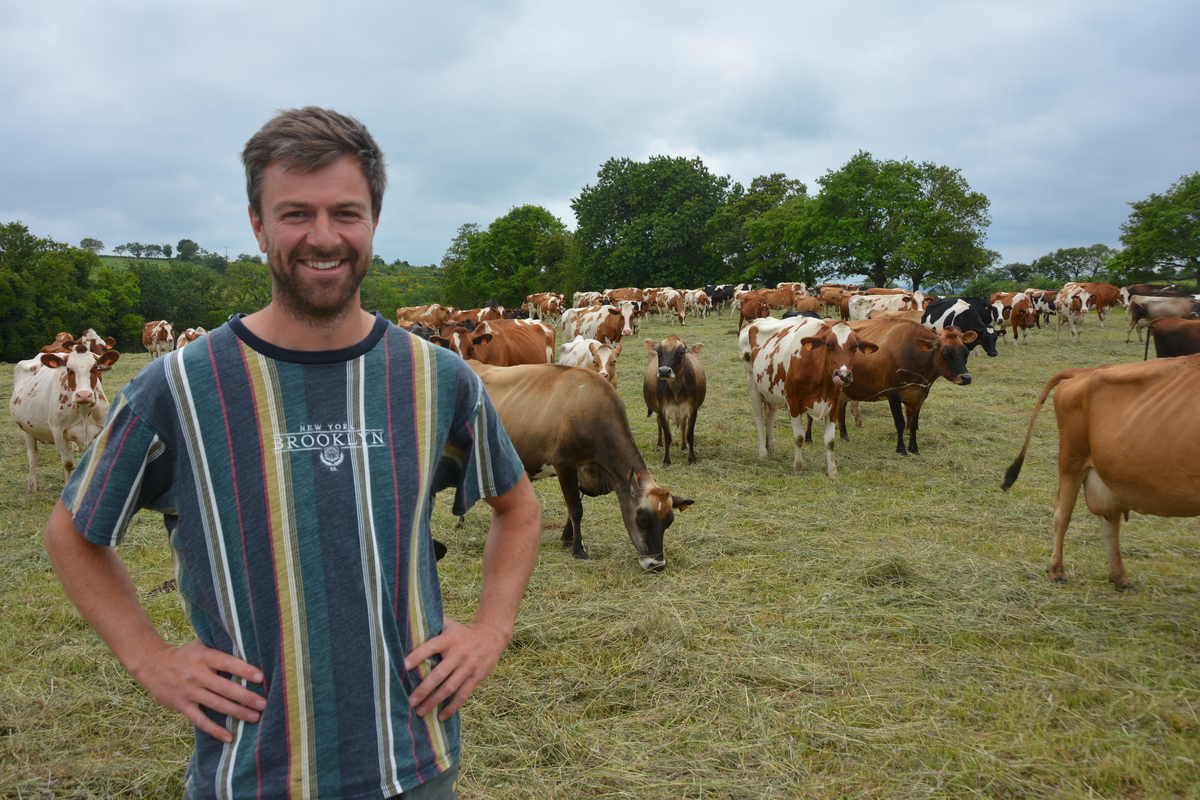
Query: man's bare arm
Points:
[470, 652]
[181, 678]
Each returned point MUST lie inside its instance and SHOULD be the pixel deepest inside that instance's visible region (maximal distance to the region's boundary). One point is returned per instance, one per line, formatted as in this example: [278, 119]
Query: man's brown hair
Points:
[308, 139]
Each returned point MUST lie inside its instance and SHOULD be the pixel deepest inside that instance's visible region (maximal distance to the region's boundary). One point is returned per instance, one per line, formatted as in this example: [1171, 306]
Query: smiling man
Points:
[295, 455]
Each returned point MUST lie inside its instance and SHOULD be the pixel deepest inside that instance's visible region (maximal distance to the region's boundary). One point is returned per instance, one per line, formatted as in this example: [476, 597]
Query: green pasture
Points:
[889, 634]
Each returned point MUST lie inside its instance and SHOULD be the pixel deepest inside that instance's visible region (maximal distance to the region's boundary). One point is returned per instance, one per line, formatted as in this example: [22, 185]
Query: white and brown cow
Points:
[800, 364]
[593, 355]
[1071, 304]
[603, 323]
[158, 337]
[1143, 310]
[1102, 297]
[674, 387]
[189, 336]
[1013, 310]
[1128, 434]
[571, 423]
[500, 342]
[58, 399]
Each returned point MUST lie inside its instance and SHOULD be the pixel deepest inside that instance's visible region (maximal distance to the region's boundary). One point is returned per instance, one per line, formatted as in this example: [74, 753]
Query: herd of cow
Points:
[562, 412]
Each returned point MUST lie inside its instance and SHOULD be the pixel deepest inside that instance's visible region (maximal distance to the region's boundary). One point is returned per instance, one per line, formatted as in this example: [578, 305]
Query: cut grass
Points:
[888, 634]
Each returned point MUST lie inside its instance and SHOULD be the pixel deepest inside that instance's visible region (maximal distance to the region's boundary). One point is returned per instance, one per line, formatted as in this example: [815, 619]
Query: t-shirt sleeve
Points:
[486, 462]
[123, 470]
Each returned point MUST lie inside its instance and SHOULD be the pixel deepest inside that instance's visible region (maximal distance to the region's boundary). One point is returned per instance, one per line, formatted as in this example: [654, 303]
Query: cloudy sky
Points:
[124, 121]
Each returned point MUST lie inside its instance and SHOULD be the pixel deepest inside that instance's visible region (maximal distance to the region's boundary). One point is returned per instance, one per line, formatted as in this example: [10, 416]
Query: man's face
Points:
[316, 229]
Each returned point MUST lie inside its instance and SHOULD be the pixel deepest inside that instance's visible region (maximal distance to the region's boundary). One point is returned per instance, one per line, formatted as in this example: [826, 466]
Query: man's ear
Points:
[256, 224]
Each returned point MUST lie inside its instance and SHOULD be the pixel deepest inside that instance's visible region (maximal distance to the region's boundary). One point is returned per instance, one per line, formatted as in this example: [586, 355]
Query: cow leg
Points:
[65, 453]
[572, 535]
[1064, 504]
[798, 439]
[764, 421]
[841, 425]
[31, 453]
[830, 439]
[914, 422]
[691, 437]
[664, 434]
[1108, 507]
[898, 421]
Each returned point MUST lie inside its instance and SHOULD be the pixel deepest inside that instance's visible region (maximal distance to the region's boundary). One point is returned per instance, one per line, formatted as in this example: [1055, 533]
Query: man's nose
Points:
[322, 236]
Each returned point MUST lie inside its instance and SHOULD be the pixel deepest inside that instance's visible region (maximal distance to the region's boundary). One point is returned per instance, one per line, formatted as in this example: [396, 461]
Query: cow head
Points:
[604, 359]
[838, 342]
[671, 352]
[461, 341]
[652, 511]
[81, 377]
[951, 353]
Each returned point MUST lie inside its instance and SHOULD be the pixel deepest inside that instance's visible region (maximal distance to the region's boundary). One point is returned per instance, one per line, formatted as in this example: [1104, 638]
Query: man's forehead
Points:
[292, 182]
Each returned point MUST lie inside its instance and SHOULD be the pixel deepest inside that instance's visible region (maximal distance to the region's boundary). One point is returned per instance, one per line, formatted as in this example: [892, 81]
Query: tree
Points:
[890, 220]
[1076, 263]
[251, 259]
[166, 250]
[747, 232]
[187, 249]
[1162, 234]
[520, 253]
[643, 224]
[91, 245]
[175, 292]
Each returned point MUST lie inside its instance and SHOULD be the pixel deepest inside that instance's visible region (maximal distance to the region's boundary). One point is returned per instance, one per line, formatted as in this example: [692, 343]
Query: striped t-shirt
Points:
[297, 488]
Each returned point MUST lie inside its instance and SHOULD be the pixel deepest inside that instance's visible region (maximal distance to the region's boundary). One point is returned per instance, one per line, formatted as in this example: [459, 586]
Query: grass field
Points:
[888, 634]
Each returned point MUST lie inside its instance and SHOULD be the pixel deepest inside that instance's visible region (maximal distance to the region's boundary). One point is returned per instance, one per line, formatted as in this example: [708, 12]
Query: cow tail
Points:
[1149, 331]
[1014, 469]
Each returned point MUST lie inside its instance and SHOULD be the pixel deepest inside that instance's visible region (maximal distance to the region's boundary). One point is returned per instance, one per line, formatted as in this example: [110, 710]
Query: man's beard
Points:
[304, 301]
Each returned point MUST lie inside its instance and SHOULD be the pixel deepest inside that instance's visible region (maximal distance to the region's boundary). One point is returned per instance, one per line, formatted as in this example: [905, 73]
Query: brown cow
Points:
[674, 387]
[502, 342]
[1015, 310]
[1128, 434]
[571, 423]
[429, 316]
[801, 364]
[189, 336]
[1173, 337]
[752, 307]
[909, 359]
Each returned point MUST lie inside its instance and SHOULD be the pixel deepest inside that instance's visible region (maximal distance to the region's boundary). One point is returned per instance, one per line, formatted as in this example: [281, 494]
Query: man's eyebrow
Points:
[298, 203]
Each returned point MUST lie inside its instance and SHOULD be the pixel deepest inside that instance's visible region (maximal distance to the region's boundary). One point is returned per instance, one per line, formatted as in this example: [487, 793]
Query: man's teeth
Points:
[323, 264]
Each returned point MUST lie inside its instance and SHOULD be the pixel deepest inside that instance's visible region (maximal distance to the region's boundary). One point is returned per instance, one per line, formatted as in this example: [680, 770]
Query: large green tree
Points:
[748, 231]
[525, 251]
[1162, 234]
[895, 221]
[643, 224]
[44, 288]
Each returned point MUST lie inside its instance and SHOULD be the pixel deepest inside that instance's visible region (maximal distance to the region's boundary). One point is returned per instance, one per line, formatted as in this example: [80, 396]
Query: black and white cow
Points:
[967, 314]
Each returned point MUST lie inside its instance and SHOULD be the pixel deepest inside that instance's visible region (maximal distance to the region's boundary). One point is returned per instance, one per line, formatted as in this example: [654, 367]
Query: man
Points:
[295, 453]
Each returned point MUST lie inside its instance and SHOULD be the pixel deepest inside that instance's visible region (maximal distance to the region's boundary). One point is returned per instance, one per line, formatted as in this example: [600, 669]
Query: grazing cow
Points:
[721, 294]
[58, 398]
[801, 364]
[158, 338]
[546, 306]
[778, 298]
[593, 355]
[1128, 434]
[585, 299]
[502, 342]
[1173, 337]
[477, 315]
[914, 316]
[696, 300]
[752, 307]
[673, 388]
[798, 287]
[571, 423]
[861, 306]
[189, 336]
[1142, 310]
[628, 293]
[964, 314]
[1071, 304]
[807, 303]
[909, 359]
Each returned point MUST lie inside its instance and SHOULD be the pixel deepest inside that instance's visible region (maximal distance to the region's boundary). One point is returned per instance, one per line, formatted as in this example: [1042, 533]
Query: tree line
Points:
[669, 221]
[48, 286]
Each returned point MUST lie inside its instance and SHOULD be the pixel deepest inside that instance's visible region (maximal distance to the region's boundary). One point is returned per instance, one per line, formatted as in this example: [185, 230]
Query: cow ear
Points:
[106, 361]
[482, 338]
[696, 348]
[809, 342]
[650, 345]
[925, 344]
[53, 360]
[617, 350]
[440, 340]
[866, 348]
[680, 503]
[970, 336]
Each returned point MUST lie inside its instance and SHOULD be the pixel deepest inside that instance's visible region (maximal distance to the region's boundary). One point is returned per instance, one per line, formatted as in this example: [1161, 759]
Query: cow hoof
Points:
[582, 555]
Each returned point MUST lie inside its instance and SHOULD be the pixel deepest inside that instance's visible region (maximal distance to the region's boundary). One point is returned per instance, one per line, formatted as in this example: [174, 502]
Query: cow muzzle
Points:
[666, 373]
[84, 398]
[843, 377]
[964, 379]
[653, 563]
